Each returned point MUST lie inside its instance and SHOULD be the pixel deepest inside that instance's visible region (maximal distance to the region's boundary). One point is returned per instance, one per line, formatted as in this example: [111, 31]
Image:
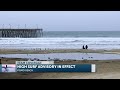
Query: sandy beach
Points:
[38, 51]
[105, 69]
[62, 37]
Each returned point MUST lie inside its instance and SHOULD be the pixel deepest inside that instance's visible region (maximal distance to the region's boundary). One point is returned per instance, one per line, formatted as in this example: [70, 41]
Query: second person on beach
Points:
[86, 47]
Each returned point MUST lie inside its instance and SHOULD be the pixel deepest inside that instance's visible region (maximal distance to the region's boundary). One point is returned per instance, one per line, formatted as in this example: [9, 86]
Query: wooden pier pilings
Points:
[21, 33]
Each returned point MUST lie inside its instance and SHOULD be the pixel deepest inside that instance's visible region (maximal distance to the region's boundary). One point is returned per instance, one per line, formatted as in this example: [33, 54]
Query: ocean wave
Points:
[60, 42]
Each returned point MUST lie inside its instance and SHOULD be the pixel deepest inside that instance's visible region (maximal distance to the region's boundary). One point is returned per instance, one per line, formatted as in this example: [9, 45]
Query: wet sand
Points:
[104, 70]
[38, 51]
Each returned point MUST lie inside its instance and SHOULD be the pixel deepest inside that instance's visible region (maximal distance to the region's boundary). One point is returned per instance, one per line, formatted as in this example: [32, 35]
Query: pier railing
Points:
[21, 33]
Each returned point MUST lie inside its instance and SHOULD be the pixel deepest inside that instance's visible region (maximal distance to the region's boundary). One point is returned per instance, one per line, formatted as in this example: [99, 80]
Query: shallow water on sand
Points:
[65, 56]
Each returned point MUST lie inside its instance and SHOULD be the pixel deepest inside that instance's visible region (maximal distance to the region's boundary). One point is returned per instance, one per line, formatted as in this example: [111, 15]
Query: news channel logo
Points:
[8, 67]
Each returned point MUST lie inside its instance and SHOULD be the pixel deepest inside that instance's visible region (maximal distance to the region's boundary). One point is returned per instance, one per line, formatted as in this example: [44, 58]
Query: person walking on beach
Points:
[86, 47]
[83, 47]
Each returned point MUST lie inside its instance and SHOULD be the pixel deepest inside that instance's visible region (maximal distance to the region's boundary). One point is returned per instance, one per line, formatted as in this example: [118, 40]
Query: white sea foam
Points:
[60, 43]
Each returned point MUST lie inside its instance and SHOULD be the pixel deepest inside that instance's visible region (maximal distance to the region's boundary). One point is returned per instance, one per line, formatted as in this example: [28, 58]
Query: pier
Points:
[21, 33]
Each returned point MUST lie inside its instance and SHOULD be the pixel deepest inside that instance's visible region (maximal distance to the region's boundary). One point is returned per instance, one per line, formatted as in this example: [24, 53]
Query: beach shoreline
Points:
[105, 69]
[37, 51]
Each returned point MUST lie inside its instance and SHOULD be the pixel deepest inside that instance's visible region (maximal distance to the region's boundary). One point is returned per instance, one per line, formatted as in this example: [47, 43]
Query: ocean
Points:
[66, 40]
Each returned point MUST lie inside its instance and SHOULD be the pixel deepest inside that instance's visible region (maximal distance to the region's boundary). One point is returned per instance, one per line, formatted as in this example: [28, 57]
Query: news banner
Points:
[46, 66]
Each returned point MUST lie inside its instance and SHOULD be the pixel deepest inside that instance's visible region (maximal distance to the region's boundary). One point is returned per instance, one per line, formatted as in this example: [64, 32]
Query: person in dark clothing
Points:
[0, 61]
[83, 47]
[86, 47]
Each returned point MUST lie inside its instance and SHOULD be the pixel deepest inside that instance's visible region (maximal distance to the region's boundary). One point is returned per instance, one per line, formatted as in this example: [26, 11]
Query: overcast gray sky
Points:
[62, 20]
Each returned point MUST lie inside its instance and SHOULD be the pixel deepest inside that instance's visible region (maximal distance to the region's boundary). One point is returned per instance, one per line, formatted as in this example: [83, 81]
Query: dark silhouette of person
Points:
[83, 47]
[0, 61]
[86, 47]
[6, 66]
